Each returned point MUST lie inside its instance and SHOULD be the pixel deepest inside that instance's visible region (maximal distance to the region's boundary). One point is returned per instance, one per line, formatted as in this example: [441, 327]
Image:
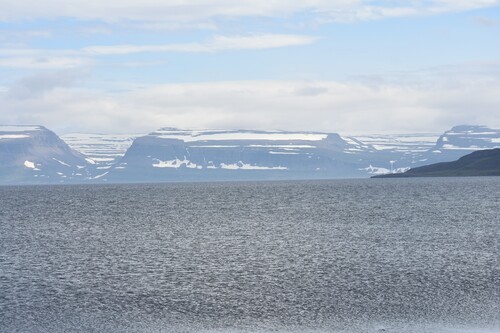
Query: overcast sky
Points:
[348, 66]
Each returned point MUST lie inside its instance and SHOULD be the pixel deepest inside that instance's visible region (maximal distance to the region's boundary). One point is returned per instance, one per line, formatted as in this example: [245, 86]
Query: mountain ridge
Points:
[173, 154]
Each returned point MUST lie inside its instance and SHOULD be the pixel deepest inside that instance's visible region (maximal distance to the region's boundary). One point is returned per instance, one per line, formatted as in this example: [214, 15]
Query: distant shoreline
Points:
[477, 164]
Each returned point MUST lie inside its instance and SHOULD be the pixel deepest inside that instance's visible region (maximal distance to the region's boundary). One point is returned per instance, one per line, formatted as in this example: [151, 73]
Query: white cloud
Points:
[43, 61]
[344, 107]
[61, 58]
[217, 43]
[182, 11]
[170, 25]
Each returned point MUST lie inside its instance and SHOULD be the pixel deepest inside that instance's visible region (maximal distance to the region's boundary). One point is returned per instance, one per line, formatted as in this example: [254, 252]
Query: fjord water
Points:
[387, 255]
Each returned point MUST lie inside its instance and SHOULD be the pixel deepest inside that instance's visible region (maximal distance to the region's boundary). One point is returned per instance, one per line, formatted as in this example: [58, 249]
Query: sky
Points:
[347, 66]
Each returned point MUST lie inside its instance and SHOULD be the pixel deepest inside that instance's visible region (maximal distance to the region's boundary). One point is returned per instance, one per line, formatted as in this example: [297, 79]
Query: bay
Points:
[385, 255]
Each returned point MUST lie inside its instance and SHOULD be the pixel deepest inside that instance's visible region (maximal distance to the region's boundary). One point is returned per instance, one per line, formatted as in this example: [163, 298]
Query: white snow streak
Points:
[13, 136]
[176, 163]
[30, 165]
[234, 136]
[61, 162]
[243, 166]
[20, 128]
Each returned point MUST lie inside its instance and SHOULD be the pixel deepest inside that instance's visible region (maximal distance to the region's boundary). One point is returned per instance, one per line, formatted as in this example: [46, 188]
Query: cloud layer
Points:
[215, 44]
[71, 58]
[182, 11]
[107, 77]
[357, 106]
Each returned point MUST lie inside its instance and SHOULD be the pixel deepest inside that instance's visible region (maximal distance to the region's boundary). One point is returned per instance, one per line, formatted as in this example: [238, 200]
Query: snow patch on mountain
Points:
[30, 165]
[245, 166]
[211, 135]
[176, 163]
[61, 162]
[102, 150]
[19, 128]
[403, 143]
[13, 136]
[283, 153]
[373, 170]
[291, 146]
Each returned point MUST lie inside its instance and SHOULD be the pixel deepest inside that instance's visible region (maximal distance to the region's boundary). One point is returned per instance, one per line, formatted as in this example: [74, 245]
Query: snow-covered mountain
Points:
[33, 154]
[400, 143]
[173, 154]
[397, 152]
[460, 141]
[414, 150]
[104, 150]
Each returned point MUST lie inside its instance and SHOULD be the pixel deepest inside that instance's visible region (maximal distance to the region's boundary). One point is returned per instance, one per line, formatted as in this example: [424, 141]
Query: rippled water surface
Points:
[394, 255]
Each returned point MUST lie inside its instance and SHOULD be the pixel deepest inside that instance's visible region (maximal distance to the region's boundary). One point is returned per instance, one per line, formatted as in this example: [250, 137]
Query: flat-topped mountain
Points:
[33, 154]
[478, 163]
[174, 154]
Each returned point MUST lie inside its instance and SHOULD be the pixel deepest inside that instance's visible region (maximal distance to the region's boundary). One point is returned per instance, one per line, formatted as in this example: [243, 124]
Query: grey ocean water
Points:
[388, 255]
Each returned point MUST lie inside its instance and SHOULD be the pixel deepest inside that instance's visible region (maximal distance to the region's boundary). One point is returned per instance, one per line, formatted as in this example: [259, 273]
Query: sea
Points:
[362, 255]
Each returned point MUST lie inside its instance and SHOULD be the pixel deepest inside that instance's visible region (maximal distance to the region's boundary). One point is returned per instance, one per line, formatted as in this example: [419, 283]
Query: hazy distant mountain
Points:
[103, 149]
[374, 154]
[462, 140]
[414, 150]
[173, 154]
[398, 152]
[400, 143]
[478, 163]
[33, 154]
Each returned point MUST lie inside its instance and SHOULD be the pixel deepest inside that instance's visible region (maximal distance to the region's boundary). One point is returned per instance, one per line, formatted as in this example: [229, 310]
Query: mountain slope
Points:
[462, 140]
[478, 163]
[33, 154]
